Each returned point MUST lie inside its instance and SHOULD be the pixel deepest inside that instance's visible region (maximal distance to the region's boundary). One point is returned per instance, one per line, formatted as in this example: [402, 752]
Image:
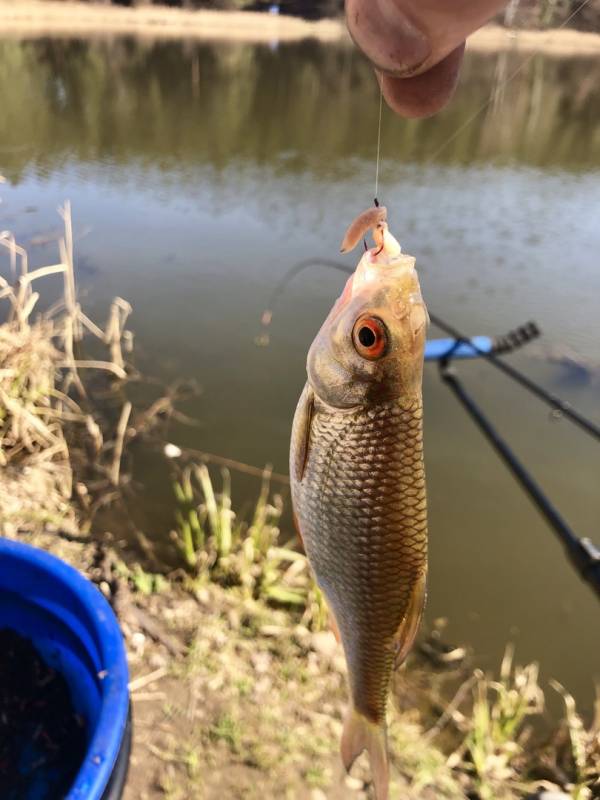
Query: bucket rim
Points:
[107, 738]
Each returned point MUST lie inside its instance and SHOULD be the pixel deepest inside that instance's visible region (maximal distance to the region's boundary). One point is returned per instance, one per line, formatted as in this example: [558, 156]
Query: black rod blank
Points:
[584, 555]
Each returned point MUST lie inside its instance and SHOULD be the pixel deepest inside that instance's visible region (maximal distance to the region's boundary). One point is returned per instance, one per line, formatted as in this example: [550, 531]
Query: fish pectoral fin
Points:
[361, 734]
[409, 626]
[301, 432]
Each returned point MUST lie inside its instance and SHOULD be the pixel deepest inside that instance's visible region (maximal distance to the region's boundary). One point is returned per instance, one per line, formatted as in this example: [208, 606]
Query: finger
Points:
[424, 94]
[406, 37]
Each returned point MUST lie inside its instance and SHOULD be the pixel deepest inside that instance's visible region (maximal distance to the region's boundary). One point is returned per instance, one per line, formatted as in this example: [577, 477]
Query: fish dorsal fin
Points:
[301, 433]
[409, 626]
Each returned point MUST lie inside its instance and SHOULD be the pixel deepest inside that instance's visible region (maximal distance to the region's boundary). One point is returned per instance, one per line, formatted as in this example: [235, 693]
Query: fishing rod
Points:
[474, 346]
[582, 553]
[547, 397]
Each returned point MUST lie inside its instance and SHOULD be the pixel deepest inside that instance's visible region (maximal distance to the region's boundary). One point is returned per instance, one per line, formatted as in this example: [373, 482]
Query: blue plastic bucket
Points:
[76, 632]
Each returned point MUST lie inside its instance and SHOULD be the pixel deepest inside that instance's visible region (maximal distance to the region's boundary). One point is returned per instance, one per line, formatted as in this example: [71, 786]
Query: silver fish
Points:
[358, 481]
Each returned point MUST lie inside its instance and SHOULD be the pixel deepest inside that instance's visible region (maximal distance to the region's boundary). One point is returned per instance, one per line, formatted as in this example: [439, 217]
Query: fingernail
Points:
[385, 34]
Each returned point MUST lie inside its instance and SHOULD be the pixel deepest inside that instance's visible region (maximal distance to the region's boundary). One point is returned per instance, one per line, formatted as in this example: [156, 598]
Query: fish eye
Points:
[370, 337]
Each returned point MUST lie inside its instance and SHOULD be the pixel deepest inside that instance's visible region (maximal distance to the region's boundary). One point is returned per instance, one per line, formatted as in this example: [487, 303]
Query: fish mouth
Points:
[376, 269]
[378, 278]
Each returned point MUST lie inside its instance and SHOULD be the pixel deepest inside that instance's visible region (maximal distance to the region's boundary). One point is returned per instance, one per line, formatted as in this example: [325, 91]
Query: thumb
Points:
[416, 46]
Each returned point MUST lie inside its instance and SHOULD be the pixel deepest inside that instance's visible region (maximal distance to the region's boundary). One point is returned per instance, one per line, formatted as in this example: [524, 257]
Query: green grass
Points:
[500, 710]
[316, 777]
[227, 729]
[216, 545]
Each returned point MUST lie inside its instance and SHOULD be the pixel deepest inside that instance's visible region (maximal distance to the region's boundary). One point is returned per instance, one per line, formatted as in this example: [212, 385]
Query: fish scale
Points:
[363, 519]
[357, 478]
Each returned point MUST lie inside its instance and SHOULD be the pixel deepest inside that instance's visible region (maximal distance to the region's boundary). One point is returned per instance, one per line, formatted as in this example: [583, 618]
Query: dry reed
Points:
[43, 413]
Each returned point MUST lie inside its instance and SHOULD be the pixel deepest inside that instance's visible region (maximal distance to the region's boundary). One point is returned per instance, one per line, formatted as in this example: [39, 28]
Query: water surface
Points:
[200, 173]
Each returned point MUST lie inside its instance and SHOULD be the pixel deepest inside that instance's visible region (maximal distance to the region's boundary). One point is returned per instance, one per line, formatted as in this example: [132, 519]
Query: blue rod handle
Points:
[436, 349]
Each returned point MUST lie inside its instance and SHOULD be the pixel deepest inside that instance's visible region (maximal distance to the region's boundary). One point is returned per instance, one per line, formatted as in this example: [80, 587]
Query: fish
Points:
[358, 481]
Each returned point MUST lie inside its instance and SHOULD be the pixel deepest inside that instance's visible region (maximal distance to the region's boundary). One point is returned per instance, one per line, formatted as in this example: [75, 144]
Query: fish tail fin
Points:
[360, 734]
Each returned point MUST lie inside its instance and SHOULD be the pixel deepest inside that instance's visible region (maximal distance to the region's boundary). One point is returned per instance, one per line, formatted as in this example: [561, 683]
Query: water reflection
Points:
[175, 105]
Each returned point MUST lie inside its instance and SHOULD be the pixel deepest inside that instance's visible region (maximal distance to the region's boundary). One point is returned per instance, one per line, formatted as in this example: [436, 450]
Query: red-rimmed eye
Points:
[369, 337]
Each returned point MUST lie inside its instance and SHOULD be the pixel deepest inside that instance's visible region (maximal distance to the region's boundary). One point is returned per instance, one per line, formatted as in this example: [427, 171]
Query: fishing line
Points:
[499, 87]
[378, 160]
[502, 85]
[286, 279]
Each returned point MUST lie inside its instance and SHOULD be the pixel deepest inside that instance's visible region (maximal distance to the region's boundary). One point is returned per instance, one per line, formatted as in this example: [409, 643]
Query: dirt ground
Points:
[30, 18]
[233, 699]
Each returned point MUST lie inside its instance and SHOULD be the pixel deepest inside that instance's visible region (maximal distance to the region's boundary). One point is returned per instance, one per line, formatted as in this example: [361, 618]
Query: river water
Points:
[200, 173]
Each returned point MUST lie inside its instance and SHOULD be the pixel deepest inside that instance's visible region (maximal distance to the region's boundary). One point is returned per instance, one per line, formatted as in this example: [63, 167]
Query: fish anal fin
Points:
[301, 433]
[299, 532]
[334, 626]
[361, 734]
[405, 635]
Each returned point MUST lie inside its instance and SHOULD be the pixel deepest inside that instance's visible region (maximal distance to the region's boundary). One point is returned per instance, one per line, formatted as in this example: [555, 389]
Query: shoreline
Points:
[32, 19]
[29, 19]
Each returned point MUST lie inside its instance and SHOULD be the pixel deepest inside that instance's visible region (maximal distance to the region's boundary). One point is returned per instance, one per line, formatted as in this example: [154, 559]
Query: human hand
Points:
[417, 46]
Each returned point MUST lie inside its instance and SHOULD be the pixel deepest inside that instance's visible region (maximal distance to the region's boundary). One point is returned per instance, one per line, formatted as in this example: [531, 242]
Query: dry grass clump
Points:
[498, 730]
[34, 457]
[575, 749]
[501, 754]
[43, 414]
